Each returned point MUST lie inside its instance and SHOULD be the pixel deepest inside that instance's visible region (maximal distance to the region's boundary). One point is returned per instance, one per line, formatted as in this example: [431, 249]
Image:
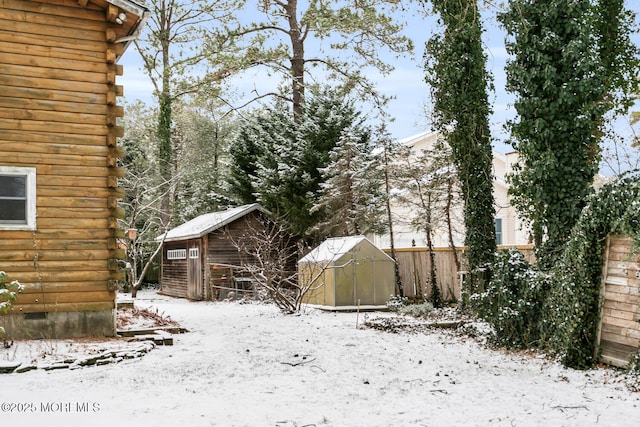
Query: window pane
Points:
[13, 186]
[13, 211]
[498, 225]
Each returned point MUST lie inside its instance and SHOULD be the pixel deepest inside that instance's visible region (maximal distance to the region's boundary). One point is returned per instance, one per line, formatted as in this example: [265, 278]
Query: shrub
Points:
[512, 302]
[396, 302]
[417, 310]
[559, 310]
[572, 310]
[633, 373]
[401, 305]
[8, 294]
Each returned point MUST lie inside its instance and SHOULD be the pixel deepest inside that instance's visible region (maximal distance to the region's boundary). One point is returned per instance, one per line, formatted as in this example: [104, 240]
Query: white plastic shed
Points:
[347, 272]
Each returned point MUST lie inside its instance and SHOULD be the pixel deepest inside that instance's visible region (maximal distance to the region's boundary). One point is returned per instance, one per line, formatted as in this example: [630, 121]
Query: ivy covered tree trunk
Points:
[572, 59]
[165, 158]
[455, 70]
[447, 213]
[175, 46]
[434, 296]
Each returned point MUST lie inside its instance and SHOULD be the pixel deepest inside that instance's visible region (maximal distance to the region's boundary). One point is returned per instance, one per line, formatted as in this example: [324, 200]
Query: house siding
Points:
[58, 115]
[221, 249]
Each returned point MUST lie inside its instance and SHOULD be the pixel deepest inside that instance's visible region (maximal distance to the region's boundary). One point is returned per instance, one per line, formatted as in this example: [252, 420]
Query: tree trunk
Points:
[387, 189]
[452, 245]
[297, 59]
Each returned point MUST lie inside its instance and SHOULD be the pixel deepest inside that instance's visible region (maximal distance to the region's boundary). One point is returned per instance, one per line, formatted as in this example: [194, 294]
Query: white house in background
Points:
[509, 229]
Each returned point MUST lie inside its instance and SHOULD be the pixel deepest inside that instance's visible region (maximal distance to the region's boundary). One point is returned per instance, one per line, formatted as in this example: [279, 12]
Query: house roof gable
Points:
[205, 224]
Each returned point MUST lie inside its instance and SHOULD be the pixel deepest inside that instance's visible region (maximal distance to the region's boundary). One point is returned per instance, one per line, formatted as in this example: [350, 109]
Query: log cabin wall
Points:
[58, 116]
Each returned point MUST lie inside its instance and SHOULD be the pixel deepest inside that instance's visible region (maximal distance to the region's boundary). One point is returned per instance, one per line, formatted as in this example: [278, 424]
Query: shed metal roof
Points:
[205, 224]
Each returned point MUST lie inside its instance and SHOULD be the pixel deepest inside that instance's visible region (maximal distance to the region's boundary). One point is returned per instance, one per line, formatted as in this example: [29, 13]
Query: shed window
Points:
[17, 198]
[193, 253]
[177, 254]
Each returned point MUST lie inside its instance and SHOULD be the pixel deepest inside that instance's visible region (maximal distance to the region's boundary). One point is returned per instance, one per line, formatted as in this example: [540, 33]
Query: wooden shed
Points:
[346, 273]
[202, 250]
[58, 161]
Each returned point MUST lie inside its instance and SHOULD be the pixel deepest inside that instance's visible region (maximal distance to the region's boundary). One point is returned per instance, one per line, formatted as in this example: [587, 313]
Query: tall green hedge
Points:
[572, 309]
[559, 312]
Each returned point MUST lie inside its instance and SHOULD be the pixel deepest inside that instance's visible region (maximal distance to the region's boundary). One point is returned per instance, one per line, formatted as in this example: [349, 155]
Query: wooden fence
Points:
[415, 266]
[619, 333]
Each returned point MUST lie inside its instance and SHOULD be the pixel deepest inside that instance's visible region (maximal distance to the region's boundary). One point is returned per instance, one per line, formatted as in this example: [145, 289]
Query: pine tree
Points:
[351, 198]
[277, 162]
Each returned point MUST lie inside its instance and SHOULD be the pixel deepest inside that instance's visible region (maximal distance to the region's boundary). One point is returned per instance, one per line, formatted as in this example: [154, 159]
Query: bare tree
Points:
[143, 219]
[428, 186]
[269, 257]
[143, 194]
[620, 152]
[390, 153]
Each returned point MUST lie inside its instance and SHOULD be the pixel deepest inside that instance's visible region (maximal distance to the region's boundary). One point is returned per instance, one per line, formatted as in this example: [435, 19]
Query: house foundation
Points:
[59, 325]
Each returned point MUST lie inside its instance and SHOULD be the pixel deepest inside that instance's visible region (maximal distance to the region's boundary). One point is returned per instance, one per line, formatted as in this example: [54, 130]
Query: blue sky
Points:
[406, 83]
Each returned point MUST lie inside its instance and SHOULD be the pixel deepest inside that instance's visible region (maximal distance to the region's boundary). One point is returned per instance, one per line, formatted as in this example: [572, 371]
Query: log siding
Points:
[58, 115]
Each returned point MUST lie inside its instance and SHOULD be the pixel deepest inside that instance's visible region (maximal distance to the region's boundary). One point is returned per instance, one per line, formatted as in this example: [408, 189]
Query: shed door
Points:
[194, 271]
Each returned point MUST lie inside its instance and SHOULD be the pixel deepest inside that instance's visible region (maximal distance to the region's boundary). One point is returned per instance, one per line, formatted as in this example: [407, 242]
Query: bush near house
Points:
[8, 294]
[559, 311]
[513, 300]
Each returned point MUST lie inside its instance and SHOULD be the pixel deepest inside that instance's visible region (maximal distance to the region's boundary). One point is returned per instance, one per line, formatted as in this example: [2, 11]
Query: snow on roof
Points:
[333, 249]
[205, 224]
[410, 140]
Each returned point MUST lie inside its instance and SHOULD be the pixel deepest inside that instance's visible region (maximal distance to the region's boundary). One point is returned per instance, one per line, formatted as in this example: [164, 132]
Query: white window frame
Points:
[176, 254]
[30, 220]
[194, 253]
[499, 234]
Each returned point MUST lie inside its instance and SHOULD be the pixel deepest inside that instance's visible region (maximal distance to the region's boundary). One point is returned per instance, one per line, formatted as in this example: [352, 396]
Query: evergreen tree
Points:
[277, 162]
[351, 198]
[252, 147]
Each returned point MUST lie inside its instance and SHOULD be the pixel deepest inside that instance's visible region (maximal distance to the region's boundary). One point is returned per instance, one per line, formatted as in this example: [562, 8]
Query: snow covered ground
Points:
[249, 365]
